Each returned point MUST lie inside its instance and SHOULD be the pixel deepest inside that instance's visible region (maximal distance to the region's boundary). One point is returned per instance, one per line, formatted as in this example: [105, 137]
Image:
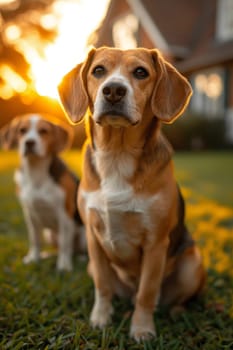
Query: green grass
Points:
[43, 309]
[207, 173]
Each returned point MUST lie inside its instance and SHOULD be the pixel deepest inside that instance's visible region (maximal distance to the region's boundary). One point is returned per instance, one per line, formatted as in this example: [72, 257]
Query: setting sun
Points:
[73, 21]
[76, 21]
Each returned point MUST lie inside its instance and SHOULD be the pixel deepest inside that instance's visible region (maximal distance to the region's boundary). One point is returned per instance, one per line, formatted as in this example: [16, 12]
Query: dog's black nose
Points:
[30, 144]
[114, 92]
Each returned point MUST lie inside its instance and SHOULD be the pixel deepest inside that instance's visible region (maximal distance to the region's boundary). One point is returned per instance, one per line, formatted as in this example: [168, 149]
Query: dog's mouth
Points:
[115, 118]
[29, 152]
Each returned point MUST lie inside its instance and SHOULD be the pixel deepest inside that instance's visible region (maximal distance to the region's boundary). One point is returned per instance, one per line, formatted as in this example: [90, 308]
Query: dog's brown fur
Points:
[134, 213]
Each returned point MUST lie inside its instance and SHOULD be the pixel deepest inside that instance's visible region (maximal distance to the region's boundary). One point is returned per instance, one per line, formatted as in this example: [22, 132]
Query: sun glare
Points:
[17, 85]
[76, 21]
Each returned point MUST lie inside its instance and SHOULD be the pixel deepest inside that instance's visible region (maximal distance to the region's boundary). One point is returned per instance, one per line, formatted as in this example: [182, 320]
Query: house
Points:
[195, 35]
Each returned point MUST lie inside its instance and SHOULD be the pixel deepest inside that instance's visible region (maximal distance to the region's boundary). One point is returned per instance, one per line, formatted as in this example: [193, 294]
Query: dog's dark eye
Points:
[99, 71]
[140, 73]
[22, 131]
[43, 131]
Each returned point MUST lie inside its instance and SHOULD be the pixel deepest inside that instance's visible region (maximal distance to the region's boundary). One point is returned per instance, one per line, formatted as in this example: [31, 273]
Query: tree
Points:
[26, 27]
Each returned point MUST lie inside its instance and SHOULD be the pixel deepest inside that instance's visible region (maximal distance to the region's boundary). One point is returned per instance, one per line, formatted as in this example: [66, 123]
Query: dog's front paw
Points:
[64, 263]
[142, 326]
[32, 256]
[101, 315]
[142, 333]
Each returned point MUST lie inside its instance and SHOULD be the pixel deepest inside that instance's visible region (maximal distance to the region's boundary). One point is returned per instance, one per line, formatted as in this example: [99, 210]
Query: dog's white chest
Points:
[123, 216]
[44, 200]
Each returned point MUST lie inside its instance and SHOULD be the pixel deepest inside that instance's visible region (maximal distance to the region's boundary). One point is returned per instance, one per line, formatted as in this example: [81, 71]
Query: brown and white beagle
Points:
[46, 188]
[137, 240]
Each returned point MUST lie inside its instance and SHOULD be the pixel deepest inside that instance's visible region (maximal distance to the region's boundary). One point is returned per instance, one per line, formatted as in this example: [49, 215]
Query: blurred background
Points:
[40, 40]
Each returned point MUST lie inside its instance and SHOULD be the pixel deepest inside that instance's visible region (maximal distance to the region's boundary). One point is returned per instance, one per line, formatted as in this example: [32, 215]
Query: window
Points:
[224, 25]
[125, 31]
[208, 96]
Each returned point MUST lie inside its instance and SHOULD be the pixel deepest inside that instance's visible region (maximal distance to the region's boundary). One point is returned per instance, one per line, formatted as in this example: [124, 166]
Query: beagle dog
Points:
[46, 188]
[133, 210]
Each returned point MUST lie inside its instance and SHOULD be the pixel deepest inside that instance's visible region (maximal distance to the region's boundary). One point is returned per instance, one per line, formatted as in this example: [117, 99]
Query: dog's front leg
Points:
[33, 228]
[66, 234]
[102, 274]
[153, 262]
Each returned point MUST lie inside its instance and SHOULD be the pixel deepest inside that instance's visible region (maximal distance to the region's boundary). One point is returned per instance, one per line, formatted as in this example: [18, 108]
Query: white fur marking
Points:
[33, 135]
[102, 310]
[117, 196]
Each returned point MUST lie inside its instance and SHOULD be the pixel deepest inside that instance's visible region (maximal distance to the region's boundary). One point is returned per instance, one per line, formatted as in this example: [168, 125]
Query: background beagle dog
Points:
[45, 186]
[137, 241]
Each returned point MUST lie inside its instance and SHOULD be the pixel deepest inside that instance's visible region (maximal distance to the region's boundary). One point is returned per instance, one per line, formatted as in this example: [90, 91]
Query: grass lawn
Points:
[43, 309]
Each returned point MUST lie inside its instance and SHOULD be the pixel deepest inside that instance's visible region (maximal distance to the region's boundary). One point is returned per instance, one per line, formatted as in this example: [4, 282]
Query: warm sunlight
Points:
[17, 84]
[71, 21]
[76, 21]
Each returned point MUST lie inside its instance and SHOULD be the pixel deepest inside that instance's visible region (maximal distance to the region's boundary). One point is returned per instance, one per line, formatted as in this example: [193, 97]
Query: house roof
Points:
[184, 29]
[147, 21]
[215, 55]
[179, 21]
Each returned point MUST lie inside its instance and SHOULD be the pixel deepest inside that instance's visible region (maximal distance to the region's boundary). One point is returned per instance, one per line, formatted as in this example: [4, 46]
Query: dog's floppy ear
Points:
[8, 134]
[63, 138]
[72, 90]
[172, 91]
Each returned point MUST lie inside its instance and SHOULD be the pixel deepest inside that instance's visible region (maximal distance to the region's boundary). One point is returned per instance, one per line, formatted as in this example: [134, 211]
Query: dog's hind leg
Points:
[187, 279]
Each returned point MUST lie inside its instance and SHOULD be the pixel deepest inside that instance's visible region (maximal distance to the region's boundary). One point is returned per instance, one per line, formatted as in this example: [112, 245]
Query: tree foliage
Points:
[22, 29]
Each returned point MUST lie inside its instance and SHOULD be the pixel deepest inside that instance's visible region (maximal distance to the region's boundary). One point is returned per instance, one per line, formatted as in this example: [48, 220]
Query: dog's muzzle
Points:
[113, 109]
[29, 147]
